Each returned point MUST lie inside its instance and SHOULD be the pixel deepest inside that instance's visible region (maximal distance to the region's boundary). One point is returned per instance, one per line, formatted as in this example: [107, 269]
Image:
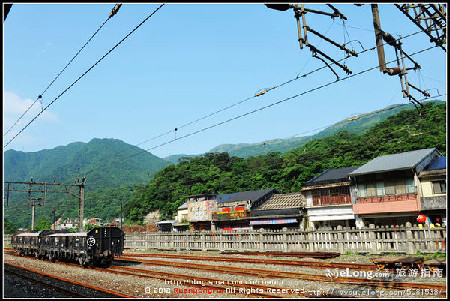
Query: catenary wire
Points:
[242, 101]
[250, 112]
[82, 75]
[57, 76]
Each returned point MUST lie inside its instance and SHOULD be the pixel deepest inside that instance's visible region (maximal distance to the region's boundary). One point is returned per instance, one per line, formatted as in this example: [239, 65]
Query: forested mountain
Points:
[107, 184]
[78, 159]
[286, 172]
[131, 181]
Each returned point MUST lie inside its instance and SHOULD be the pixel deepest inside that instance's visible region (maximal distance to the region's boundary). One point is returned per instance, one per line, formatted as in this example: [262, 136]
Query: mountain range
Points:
[115, 170]
[356, 124]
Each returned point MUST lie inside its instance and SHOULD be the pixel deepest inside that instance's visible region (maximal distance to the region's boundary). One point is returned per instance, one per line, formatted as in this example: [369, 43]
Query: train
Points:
[96, 247]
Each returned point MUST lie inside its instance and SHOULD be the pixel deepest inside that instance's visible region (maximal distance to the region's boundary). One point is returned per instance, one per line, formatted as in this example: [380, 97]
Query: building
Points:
[233, 210]
[388, 187]
[165, 226]
[200, 210]
[433, 190]
[279, 211]
[181, 220]
[329, 199]
[95, 221]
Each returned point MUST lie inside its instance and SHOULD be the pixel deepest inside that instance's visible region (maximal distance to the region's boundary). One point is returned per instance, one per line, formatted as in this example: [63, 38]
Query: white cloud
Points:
[14, 106]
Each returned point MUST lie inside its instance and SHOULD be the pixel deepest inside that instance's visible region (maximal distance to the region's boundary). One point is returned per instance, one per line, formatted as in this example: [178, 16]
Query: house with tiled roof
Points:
[279, 211]
[388, 187]
[329, 199]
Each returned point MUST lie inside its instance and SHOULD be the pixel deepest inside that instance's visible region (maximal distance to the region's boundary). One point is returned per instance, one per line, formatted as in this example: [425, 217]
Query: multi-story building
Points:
[388, 187]
[200, 210]
[329, 199]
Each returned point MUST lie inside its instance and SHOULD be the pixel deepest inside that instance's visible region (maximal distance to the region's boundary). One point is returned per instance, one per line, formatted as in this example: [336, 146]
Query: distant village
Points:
[389, 191]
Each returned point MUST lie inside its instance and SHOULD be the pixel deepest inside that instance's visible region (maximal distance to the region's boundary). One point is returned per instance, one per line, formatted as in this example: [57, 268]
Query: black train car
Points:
[96, 247]
[26, 243]
[103, 244]
[30, 243]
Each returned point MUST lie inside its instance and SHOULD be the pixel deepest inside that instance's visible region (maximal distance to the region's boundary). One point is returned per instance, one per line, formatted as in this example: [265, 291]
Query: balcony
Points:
[387, 198]
[387, 204]
[332, 200]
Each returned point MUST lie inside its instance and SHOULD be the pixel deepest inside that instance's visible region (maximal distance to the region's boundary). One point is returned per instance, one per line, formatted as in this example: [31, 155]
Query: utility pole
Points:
[81, 203]
[44, 188]
[121, 223]
[378, 37]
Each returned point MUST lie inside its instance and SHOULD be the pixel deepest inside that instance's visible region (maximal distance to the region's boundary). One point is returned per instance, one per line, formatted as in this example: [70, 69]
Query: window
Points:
[400, 187]
[362, 190]
[410, 187]
[371, 190]
[380, 189]
[439, 187]
[389, 187]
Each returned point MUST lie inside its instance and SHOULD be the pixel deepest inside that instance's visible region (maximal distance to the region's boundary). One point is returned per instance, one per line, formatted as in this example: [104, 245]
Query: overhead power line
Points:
[248, 113]
[115, 9]
[87, 71]
[237, 103]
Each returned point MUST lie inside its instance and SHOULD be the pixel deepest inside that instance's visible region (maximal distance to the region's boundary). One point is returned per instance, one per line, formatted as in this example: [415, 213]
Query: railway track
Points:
[255, 290]
[189, 280]
[248, 289]
[321, 255]
[284, 262]
[264, 273]
[18, 271]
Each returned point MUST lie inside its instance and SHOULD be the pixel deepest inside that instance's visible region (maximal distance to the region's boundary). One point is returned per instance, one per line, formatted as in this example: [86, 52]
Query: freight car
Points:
[96, 247]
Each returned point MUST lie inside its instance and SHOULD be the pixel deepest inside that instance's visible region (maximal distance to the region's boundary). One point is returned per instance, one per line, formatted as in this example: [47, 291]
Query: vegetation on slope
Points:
[286, 172]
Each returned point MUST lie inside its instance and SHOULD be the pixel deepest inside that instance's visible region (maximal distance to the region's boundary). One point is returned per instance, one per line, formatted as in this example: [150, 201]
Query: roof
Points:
[184, 206]
[400, 161]
[69, 234]
[28, 234]
[332, 176]
[438, 163]
[284, 201]
[199, 195]
[251, 196]
[165, 222]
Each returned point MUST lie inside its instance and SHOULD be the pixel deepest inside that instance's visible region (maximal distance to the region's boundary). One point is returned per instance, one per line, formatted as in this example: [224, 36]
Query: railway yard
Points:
[196, 274]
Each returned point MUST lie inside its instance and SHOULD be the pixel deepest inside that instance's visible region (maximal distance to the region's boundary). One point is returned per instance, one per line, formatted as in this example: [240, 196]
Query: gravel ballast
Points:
[153, 288]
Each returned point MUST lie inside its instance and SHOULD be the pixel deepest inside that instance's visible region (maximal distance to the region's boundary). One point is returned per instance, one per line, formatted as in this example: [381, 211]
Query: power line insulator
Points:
[393, 71]
[115, 10]
[388, 38]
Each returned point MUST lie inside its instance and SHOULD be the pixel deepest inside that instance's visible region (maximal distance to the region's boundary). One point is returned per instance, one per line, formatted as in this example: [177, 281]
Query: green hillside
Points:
[106, 184]
[76, 159]
[286, 172]
[144, 182]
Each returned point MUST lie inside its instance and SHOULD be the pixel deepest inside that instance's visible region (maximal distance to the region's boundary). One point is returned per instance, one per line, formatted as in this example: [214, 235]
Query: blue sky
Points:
[189, 61]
